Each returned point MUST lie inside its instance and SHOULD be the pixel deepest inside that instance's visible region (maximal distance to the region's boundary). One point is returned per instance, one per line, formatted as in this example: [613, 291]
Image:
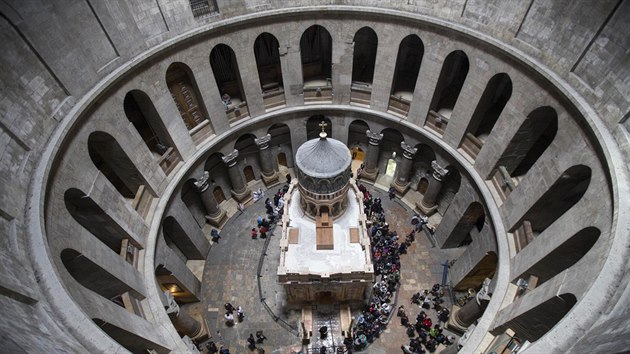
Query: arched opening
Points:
[316, 54]
[266, 51]
[536, 322]
[468, 227]
[282, 159]
[450, 187]
[423, 184]
[280, 143]
[248, 172]
[314, 127]
[491, 104]
[562, 257]
[109, 158]
[191, 198]
[390, 151]
[218, 194]
[94, 219]
[363, 61]
[225, 69]
[246, 146]
[485, 268]
[177, 239]
[356, 134]
[421, 167]
[183, 87]
[566, 191]
[130, 341]
[91, 276]
[449, 85]
[142, 114]
[410, 53]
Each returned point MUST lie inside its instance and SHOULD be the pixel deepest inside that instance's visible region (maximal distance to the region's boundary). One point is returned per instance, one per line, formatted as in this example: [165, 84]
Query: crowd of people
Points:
[429, 334]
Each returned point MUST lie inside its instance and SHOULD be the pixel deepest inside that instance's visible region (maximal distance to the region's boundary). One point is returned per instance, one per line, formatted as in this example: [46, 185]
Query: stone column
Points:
[371, 157]
[239, 189]
[428, 206]
[267, 162]
[463, 317]
[214, 214]
[183, 322]
[401, 182]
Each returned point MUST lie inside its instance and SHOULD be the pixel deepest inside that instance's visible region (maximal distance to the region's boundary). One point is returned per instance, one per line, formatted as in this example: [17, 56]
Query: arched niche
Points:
[91, 276]
[316, 54]
[227, 75]
[408, 60]
[267, 54]
[531, 140]
[566, 191]
[94, 219]
[177, 239]
[564, 256]
[142, 114]
[356, 134]
[183, 87]
[129, 340]
[450, 187]
[110, 158]
[192, 200]
[313, 127]
[449, 85]
[364, 56]
[471, 221]
[494, 98]
[485, 268]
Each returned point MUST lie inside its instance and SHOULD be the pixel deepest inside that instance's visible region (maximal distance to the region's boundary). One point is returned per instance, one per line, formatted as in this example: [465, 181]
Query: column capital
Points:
[375, 138]
[172, 308]
[201, 184]
[230, 159]
[408, 151]
[263, 142]
[439, 172]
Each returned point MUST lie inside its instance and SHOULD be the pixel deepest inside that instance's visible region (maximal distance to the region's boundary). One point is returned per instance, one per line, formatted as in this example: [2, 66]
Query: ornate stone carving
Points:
[439, 172]
[230, 159]
[201, 184]
[408, 151]
[375, 138]
[263, 142]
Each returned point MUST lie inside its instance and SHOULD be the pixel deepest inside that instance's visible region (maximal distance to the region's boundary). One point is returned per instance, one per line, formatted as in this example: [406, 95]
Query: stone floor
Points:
[230, 275]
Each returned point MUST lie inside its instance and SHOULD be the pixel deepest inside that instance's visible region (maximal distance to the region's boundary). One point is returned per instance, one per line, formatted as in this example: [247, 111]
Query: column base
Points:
[400, 190]
[217, 220]
[428, 211]
[204, 333]
[242, 197]
[272, 180]
[452, 323]
[369, 175]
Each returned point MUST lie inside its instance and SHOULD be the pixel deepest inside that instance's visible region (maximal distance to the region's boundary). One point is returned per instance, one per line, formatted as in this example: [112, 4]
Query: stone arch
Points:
[356, 134]
[566, 191]
[192, 200]
[450, 83]
[391, 141]
[316, 53]
[534, 323]
[472, 220]
[129, 340]
[492, 102]
[364, 56]
[94, 219]
[422, 163]
[408, 60]
[564, 256]
[449, 189]
[176, 238]
[141, 112]
[91, 276]
[313, 127]
[110, 158]
[246, 146]
[226, 73]
[185, 92]
[531, 140]
[267, 54]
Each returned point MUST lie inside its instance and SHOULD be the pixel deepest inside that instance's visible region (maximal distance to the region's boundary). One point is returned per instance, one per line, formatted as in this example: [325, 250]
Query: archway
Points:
[449, 85]
[218, 194]
[408, 60]
[267, 54]
[316, 54]
[183, 87]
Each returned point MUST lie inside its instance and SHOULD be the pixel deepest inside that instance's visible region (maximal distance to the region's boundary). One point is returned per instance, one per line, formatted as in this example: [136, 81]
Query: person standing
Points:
[240, 314]
[251, 341]
[260, 337]
[254, 233]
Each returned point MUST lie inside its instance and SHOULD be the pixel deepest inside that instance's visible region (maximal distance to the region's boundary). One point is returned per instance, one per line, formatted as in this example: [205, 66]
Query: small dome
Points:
[323, 157]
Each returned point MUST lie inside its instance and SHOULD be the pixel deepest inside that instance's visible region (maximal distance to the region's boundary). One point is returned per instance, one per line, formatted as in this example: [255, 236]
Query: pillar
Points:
[214, 214]
[401, 182]
[239, 189]
[371, 157]
[185, 324]
[267, 162]
[462, 318]
[427, 205]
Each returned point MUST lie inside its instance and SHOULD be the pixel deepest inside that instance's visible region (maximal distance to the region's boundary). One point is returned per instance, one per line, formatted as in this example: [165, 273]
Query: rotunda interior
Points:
[141, 139]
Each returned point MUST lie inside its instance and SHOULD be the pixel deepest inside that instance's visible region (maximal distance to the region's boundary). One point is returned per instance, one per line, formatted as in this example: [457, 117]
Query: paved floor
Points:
[230, 275]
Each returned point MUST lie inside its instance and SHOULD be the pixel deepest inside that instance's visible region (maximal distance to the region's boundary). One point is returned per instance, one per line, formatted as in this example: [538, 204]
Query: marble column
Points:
[214, 214]
[239, 189]
[183, 322]
[465, 316]
[267, 162]
[401, 182]
[427, 205]
[371, 157]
